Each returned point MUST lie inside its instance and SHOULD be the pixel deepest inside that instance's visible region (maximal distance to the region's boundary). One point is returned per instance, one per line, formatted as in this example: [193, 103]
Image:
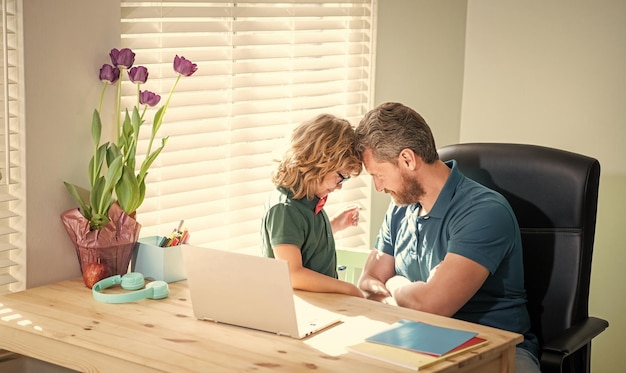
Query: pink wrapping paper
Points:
[112, 245]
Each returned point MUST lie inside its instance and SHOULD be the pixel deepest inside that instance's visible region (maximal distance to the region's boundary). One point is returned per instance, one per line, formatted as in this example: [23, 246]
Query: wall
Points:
[548, 73]
[65, 44]
[552, 73]
[420, 47]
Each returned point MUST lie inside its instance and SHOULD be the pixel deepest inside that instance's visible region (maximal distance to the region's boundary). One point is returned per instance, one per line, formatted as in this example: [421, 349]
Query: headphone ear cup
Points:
[160, 289]
[132, 281]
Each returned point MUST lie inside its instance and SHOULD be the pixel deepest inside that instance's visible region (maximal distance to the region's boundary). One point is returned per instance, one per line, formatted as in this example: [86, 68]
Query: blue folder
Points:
[422, 337]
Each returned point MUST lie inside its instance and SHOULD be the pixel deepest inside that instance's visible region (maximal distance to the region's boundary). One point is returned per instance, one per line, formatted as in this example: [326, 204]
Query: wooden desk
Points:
[61, 323]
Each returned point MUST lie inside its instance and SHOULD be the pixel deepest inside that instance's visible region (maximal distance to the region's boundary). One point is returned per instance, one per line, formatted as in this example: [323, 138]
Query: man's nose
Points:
[378, 186]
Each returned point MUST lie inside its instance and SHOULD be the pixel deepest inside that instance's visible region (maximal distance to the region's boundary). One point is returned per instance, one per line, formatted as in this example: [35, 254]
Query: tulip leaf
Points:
[112, 153]
[158, 120]
[95, 164]
[127, 190]
[98, 221]
[136, 121]
[127, 137]
[96, 128]
[74, 192]
[150, 159]
[114, 173]
[97, 191]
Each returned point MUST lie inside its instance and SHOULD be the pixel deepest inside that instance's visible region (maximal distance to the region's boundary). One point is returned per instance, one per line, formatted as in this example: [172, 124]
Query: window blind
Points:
[12, 278]
[263, 68]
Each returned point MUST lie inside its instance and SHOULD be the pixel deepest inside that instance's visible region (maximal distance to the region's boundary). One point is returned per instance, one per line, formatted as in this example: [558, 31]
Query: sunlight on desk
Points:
[352, 330]
[13, 316]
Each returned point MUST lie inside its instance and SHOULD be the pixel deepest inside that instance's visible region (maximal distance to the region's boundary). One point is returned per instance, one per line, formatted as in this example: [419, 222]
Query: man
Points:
[448, 245]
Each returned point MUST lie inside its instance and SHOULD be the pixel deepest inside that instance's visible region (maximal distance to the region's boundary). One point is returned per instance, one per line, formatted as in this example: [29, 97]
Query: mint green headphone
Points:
[130, 281]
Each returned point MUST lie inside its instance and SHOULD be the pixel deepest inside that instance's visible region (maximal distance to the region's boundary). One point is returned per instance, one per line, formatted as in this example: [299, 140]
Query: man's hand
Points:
[376, 290]
[377, 269]
[384, 293]
[396, 282]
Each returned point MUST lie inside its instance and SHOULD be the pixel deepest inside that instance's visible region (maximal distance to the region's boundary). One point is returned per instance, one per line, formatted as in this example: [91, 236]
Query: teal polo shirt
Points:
[294, 222]
[478, 223]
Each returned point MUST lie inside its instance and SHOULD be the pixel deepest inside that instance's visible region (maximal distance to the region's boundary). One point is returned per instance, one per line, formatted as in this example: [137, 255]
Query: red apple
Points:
[95, 272]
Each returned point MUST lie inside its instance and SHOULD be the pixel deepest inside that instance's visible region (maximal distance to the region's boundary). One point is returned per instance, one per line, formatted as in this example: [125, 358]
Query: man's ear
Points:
[408, 159]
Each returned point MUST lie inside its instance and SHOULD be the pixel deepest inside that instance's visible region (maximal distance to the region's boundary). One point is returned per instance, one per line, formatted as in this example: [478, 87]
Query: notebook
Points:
[249, 291]
[411, 359]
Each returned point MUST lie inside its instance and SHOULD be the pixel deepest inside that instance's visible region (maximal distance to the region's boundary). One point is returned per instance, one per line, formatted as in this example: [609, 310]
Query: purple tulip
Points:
[122, 58]
[109, 74]
[183, 66]
[149, 98]
[138, 74]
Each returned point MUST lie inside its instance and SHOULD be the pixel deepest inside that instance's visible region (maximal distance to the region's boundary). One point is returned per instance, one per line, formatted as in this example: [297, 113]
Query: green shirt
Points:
[294, 222]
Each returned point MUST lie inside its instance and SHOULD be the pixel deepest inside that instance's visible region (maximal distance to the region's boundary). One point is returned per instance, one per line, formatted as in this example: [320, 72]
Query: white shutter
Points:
[263, 67]
[12, 260]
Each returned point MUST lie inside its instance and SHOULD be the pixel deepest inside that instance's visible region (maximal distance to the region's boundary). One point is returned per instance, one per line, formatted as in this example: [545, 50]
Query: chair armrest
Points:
[573, 338]
[570, 341]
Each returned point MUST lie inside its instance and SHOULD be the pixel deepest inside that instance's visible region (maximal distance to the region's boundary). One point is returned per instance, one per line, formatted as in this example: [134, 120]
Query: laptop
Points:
[249, 291]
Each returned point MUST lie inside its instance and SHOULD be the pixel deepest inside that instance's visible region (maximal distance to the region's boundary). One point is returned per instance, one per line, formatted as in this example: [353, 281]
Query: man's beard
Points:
[411, 193]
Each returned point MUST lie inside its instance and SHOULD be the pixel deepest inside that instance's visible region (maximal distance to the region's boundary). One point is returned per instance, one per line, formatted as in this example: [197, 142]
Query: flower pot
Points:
[112, 245]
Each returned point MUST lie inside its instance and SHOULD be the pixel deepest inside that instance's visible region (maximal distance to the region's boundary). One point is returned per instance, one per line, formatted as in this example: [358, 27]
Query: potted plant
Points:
[103, 228]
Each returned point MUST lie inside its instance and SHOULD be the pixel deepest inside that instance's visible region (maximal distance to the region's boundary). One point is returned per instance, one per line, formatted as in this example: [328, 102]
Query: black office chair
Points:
[554, 194]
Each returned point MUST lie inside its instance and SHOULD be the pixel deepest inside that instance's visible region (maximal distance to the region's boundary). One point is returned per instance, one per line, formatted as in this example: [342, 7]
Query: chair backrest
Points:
[554, 194]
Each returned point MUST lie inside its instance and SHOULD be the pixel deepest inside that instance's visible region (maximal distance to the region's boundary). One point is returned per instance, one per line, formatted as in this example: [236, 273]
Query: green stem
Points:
[96, 145]
[157, 123]
[167, 103]
[119, 104]
[150, 144]
[138, 105]
[138, 94]
[104, 88]
[95, 163]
